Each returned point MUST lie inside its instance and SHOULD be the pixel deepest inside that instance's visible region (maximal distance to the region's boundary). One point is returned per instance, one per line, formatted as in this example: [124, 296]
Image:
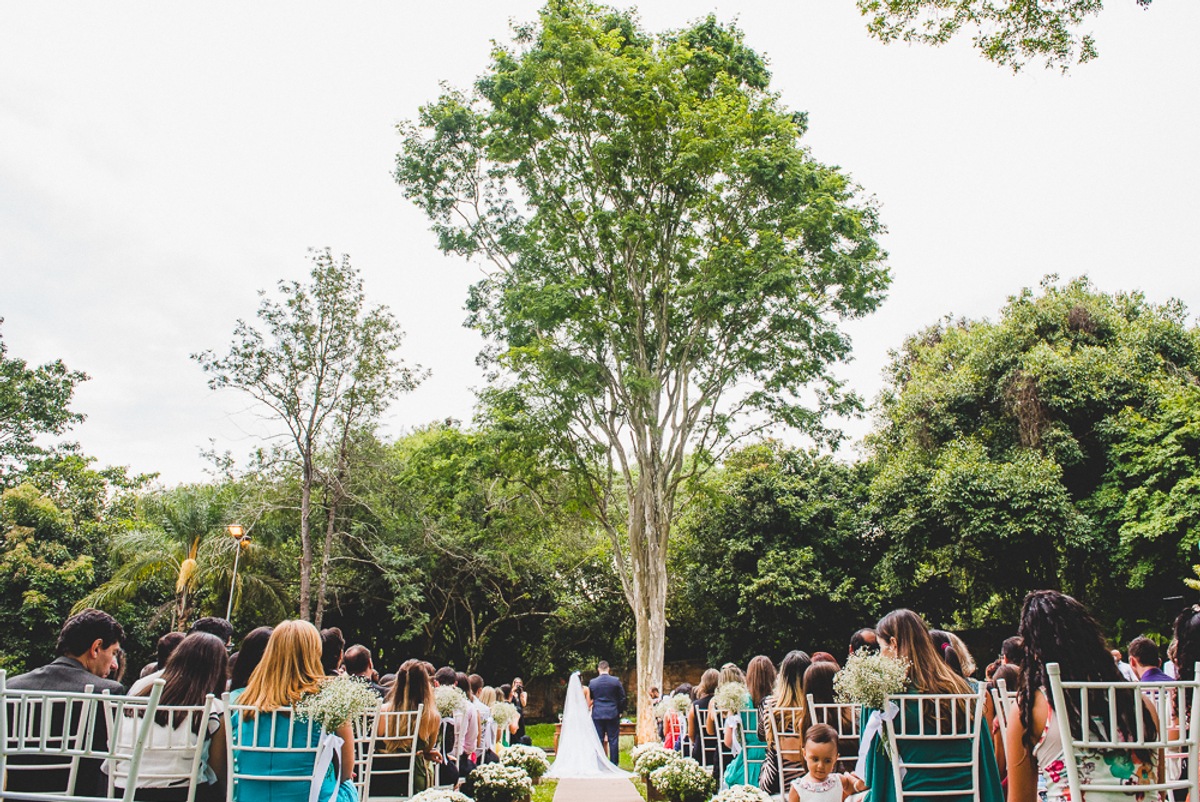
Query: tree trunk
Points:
[647, 548]
[323, 582]
[306, 555]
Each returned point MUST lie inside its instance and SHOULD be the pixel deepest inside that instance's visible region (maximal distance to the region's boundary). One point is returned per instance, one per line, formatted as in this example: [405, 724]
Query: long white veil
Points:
[580, 754]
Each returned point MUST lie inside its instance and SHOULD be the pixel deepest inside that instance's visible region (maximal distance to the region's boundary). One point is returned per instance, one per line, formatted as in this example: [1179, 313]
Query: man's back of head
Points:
[1145, 652]
[476, 683]
[1012, 651]
[215, 626]
[357, 660]
[864, 638]
[446, 676]
[602, 667]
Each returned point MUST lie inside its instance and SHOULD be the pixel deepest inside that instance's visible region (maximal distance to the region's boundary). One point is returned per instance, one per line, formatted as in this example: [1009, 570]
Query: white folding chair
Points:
[955, 721]
[1176, 701]
[846, 719]
[445, 749]
[389, 771]
[363, 726]
[167, 744]
[1002, 700]
[708, 741]
[290, 746]
[45, 735]
[784, 727]
[746, 720]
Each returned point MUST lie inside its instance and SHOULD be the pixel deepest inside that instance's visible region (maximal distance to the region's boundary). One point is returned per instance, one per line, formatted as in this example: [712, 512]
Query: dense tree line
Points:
[1057, 446]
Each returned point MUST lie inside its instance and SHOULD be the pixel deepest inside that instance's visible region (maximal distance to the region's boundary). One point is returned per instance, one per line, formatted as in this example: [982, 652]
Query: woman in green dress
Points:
[411, 690]
[745, 767]
[904, 634]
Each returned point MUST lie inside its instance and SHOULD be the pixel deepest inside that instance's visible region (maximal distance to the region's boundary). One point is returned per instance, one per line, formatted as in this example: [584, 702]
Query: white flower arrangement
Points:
[868, 678]
[660, 709]
[651, 757]
[504, 713]
[679, 702]
[530, 758]
[684, 780]
[449, 699]
[496, 782]
[731, 697]
[742, 793]
[440, 795]
[339, 700]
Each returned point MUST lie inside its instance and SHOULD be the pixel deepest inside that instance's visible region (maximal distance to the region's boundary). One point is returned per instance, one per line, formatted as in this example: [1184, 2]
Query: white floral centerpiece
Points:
[684, 780]
[868, 678]
[731, 697]
[742, 793]
[449, 699]
[651, 757]
[440, 795]
[339, 700]
[680, 703]
[530, 758]
[504, 713]
[496, 782]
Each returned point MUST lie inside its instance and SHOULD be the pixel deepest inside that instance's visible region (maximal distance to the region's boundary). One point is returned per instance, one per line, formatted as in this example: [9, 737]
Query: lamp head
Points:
[235, 530]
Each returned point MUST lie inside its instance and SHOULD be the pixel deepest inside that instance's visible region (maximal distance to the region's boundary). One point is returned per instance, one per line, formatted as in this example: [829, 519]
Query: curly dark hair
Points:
[1187, 640]
[1058, 629]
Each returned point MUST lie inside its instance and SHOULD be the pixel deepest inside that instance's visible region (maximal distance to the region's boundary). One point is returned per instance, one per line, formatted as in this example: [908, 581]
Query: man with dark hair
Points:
[1145, 662]
[606, 695]
[358, 663]
[864, 639]
[166, 645]
[453, 730]
[87, 646]
[214, 626]
[1012, 651]
[333, 643]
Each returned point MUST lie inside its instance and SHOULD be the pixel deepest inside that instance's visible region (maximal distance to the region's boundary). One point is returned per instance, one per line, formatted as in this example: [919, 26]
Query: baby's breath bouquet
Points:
[684, 780]
[440, 795]
[731, 697]
[339, 700]
[504, 713]
[496, 782]
[742, 793]
[679, 702]
[449, 699]
[660, 709]
[529, 758]
[649, 758]
[868, 678]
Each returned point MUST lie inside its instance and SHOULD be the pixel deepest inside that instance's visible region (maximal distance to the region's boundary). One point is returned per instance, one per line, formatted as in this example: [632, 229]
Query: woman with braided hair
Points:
[1058, 629]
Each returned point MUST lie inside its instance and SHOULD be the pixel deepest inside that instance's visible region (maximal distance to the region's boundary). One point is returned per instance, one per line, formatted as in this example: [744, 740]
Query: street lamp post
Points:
[235, 530]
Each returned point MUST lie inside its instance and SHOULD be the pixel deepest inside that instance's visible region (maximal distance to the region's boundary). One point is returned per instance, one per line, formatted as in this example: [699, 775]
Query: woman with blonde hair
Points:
[788, 696]
[904, 635]
[412, 690]
[290, 669]
[749, 749]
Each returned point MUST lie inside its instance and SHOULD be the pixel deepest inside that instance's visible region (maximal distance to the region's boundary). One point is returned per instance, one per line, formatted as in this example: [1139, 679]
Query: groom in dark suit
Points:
[607, 696]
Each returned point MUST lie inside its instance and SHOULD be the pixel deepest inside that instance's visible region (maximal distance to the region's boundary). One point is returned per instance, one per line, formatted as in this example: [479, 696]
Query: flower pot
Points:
[653, 794]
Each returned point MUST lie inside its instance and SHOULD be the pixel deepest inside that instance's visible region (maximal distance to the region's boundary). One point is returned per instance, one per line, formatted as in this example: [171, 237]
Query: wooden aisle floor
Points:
[615, 789]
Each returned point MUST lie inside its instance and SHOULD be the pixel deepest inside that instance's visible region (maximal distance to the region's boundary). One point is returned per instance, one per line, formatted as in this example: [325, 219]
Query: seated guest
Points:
[1012, 651]
[243, 662]
[1145, 662]
[87, 645]
[194, 670]
[864, 639]
[218, 627]
[358, 663]
[704, 695]
[412, 689]
[333, 644]
[166, 645]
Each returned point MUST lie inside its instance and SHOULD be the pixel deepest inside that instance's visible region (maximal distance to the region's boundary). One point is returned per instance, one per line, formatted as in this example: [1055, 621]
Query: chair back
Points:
[390, 775]
[268, 747]
[445, 749]
[45, 735]
[172, 752]
[1002, 701]
[1166, 720]
[950, 725]
[362, 726]
[709, 743]
[747, 722]
[846, 719]
[785, 729]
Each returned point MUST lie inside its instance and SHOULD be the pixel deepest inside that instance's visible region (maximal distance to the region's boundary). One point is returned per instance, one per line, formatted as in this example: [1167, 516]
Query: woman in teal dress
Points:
[290, 668]
[745, 767]
[903, 634]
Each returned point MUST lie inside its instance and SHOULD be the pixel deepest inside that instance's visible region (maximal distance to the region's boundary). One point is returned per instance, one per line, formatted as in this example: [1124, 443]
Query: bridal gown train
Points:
[580, 754]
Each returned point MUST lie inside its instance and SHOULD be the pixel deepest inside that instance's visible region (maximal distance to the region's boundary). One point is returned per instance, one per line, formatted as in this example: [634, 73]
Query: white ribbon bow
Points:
[874, 727]
[330, 744]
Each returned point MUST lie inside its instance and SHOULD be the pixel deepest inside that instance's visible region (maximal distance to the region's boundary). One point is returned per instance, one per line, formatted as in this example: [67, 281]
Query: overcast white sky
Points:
[160, 162]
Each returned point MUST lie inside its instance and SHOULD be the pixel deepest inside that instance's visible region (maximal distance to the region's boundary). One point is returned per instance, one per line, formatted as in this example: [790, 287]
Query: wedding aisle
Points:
[607, 790]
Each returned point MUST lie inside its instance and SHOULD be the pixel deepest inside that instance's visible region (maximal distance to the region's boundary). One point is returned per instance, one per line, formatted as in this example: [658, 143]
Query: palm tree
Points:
[184, 543]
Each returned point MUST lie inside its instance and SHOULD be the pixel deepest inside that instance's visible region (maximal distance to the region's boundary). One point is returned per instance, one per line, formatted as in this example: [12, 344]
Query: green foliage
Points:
[34, 401]
[1004, 444]
[1011, 33]
[780, 555]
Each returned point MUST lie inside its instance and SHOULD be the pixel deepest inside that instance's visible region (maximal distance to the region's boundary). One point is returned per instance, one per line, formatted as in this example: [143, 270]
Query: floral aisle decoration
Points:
[650, 757]
[504, 713]
[684, 780]
[742, 793]
[440, 795]
[731, 697]
[868, 679]
[338, 700]
[529, 758]
[496, 782]
[449, 699]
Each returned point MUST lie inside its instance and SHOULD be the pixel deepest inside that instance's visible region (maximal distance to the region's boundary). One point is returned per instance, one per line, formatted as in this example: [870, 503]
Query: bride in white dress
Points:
[579, 754]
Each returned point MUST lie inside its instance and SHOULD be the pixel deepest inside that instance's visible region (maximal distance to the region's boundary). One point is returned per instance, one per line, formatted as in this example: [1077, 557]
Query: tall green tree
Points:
[667, 264]
[34, 401]
[1004, 444]
[322, 358]
[1011, 33]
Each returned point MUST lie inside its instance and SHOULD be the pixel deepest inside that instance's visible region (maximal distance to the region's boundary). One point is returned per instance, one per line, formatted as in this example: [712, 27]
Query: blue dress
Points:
[738, 772]
[276, 763]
